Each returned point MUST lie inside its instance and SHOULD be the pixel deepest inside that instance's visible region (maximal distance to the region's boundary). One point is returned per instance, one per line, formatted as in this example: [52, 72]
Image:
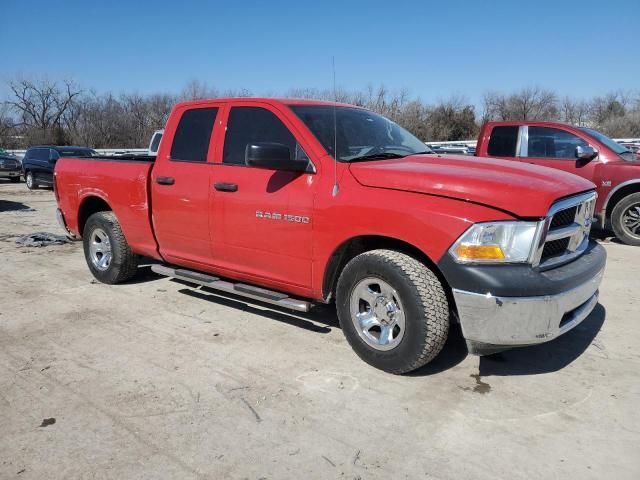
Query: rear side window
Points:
[503, 141]
[255, 125]
[191, 141]
[547, 142]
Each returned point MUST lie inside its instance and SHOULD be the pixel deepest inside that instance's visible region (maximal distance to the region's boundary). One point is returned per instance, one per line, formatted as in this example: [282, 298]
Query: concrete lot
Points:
[155, 379]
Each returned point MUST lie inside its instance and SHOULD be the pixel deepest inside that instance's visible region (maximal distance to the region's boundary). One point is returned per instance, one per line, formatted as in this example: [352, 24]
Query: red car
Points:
[583, 151]
[295, 203]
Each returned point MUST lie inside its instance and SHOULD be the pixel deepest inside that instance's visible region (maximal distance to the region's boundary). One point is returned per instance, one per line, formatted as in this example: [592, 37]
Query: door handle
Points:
[165, 180]
[226, 187]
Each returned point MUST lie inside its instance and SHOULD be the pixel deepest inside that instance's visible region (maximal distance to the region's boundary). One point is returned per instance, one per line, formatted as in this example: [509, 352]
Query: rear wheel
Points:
[393, 310]
[625, 219]
[30, 179]
[106, 250]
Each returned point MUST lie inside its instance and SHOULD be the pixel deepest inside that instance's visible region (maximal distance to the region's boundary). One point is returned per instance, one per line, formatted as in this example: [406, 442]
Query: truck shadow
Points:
[534, 360]
[321, 319]
[547, 357]
[10, 206]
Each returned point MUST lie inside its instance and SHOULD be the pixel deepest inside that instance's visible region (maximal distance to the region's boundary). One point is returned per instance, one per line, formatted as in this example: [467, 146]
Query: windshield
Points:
[359, 134]
[611, 144]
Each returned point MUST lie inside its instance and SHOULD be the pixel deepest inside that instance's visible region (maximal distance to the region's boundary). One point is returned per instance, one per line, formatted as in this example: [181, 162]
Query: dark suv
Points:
[39, 161]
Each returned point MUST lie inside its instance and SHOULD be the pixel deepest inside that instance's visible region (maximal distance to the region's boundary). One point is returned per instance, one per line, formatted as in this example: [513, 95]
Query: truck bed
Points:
[121, 182]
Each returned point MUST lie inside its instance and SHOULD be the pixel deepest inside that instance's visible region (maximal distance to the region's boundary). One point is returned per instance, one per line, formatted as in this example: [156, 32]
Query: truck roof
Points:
[269, 100]
[538, 123]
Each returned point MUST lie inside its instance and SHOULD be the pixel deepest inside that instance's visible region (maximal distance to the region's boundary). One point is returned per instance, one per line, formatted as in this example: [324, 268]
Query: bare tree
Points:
[575, 112]
[41, 104]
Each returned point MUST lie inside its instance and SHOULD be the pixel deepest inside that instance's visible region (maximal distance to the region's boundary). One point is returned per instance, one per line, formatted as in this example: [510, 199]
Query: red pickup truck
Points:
[295, 203]
[583, 151]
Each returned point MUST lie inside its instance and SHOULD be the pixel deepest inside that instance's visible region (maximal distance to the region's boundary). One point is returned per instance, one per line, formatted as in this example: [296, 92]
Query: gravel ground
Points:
[155, 379]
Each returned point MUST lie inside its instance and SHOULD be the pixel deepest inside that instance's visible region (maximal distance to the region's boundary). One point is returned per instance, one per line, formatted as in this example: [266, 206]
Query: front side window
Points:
[247, 125]
[545, 142]
[191, 141]
[352, 134]
[503, 141]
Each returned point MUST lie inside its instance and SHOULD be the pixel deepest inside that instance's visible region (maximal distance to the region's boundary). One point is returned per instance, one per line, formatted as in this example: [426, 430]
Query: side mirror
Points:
[586, 154]
[273, 156]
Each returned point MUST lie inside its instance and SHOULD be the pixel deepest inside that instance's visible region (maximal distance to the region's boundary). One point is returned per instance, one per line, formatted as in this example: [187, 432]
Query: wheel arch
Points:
[618, 193]
[90, 205]
[354, 246]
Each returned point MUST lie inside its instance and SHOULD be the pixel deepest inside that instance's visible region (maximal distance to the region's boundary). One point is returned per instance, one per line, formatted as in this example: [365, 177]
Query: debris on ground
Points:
[41, 239]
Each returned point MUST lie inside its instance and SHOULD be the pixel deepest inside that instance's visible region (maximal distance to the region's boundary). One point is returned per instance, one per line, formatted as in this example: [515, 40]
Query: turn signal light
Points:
[467, 252]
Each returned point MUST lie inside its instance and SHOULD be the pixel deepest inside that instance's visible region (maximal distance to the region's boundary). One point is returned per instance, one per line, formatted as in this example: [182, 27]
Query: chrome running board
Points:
[242, 289]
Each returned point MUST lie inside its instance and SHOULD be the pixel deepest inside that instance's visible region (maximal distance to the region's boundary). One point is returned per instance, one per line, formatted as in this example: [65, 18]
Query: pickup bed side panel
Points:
[122, 184]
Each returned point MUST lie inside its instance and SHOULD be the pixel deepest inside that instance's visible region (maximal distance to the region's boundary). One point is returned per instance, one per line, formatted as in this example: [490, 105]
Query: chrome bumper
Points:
[513, 321]
[63, 223]
[10, 173]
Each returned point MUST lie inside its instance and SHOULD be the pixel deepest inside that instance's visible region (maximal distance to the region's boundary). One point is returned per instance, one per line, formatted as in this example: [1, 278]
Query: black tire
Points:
[15, 179]
[30, 180]
[423, 300]
[123, 263]
[627, 209]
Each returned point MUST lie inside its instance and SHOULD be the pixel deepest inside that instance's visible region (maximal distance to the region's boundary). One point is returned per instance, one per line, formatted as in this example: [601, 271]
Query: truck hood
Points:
[523, 190]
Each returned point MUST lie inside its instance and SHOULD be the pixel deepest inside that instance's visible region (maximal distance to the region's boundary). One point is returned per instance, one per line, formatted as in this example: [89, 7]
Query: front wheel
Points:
[393, 310]
[106, 250]
[30, 179]
[625, 219]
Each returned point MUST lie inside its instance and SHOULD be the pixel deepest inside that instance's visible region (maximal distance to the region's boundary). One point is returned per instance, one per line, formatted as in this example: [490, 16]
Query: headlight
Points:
[496, 242]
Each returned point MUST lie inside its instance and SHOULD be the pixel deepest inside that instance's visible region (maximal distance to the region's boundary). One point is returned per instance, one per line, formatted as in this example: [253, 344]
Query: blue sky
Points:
[434, 49]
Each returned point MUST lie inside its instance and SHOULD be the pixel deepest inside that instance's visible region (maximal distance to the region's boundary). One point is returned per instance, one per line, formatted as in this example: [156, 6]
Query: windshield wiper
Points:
[377, 156]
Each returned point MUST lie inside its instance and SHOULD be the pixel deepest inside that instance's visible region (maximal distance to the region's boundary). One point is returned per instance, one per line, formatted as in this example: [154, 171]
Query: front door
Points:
[181, 189]
[555, 148]
[266, 216]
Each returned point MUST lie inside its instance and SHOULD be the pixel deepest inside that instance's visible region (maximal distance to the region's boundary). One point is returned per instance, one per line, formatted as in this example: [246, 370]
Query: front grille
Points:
[553, 248]
[8, 164]
[567, 228]
[564, 217]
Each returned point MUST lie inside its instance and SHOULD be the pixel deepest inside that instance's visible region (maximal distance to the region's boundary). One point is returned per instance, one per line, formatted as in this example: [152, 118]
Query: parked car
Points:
[450, 149]
[295, 203]
[39, 161]
[155, 141]
[583, 151]
[10, 167]
[633, 147]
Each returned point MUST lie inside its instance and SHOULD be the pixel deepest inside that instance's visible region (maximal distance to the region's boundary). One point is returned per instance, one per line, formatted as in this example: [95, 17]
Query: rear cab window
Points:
[193, 135]
[503, 141]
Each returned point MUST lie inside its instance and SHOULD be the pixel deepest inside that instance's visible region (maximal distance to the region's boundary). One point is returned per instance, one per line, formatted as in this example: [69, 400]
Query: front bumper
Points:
[10, 173]
[534, 309]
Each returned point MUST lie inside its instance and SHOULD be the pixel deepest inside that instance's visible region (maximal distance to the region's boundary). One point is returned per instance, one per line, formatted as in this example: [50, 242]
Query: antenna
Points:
[336, 188]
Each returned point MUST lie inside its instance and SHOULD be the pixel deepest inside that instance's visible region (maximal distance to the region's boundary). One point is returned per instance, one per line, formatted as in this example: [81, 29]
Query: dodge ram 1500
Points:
[295, 203]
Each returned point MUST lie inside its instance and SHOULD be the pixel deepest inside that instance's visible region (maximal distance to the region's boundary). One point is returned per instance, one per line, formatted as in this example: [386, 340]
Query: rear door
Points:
[265, 215]
[181, 188]
[555, 148]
